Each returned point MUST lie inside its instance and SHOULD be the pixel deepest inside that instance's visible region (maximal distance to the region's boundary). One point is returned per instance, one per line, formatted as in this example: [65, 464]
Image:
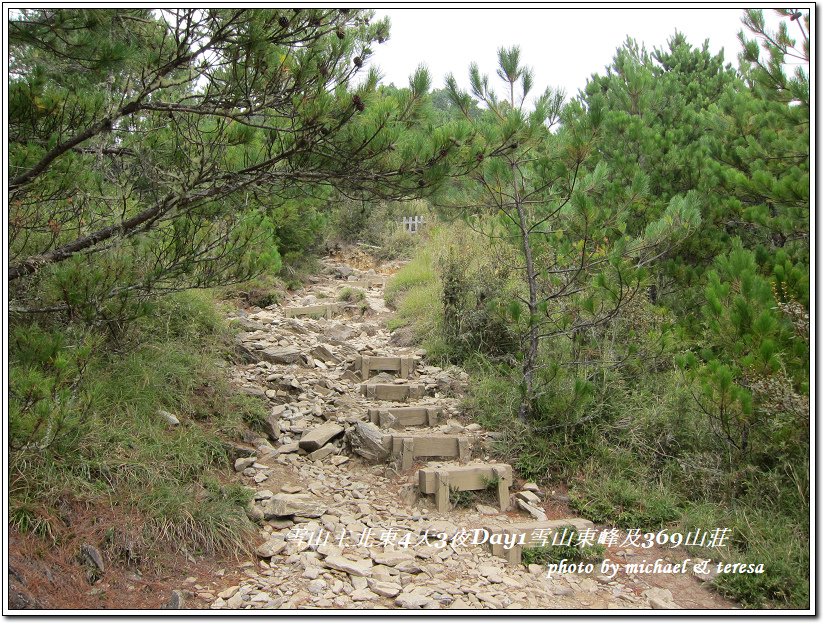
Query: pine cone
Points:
[283, 21]
[339, 33]
[358, 61]
[358, 103]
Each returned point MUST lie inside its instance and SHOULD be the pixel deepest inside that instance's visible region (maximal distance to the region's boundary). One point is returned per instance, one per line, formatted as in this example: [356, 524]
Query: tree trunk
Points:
[531, 358]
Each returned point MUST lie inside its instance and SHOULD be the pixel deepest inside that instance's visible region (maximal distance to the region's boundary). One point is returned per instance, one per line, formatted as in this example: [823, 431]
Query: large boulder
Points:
[367, 440]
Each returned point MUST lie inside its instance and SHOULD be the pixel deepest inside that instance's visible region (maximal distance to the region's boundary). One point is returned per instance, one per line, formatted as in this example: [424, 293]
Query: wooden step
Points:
[400, 417]
[326, 310]
[439, 480]
[410, 447]
[393, 392]
[527, 532]
[403, 367]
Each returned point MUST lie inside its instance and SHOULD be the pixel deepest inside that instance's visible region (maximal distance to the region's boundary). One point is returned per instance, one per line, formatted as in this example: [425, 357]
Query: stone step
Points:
[393, 392]
[400, 417]
[407, 448]
[439, 480]
[530, 534]
[326, 310]
[367, 282]
[403, 367]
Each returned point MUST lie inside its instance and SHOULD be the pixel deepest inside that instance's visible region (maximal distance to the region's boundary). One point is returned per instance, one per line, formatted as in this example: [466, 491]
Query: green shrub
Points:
[625, 503]
[778, 540]
[351, 294]
[263, 291]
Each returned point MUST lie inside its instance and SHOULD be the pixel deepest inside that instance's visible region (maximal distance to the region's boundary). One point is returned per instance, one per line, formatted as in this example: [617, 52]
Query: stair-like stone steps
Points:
[403, 367]
[399, 393]
[407, 448]
[439, 480]
[399, 417]
[529, 534]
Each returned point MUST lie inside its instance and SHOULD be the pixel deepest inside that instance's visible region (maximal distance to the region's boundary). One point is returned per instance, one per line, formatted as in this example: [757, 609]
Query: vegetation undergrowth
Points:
[84, 425]
[569, 548]
[634, 449]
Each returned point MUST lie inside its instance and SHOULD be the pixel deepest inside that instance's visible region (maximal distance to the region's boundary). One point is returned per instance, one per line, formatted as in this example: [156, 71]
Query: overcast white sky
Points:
[564, 46]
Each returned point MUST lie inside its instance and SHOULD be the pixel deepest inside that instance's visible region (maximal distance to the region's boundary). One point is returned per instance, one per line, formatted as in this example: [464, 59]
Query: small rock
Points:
[289, 447]
[176, 600]
[316, 587]
[529, 497]
[411, 601]
[293, 505]
[270, 548]
[536, 513]
[322, 453]
[360, 595]
[385, 589]
[361, 567]
[319, 436]
[391, 558]
[243, 463]
[169, 418]
[228, 592]
[281, 355]
[487, 510]
[660, 598]
[92, 555]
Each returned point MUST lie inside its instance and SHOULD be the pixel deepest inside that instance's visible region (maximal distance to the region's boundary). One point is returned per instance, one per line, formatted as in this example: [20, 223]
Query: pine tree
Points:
[753, 364]
[577, 264]
[150, 150]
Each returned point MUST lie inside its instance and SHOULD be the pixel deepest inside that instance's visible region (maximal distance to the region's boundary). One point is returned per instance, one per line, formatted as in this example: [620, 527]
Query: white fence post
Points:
[413, 224]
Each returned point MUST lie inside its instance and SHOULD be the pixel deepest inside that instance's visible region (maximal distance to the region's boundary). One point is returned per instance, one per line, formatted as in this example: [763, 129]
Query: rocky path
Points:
[368, 482]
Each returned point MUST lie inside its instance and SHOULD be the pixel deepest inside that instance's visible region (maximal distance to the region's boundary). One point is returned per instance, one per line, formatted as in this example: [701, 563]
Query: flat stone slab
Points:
[315, 438]
[400, 417]
[393, 392]
[367, 282]
[361, 567]
[281, 355]
[327, 310]
[403, 367]
[324, 354]
[281, 505]
[411, 447]
[441, 480]
[531, 534]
